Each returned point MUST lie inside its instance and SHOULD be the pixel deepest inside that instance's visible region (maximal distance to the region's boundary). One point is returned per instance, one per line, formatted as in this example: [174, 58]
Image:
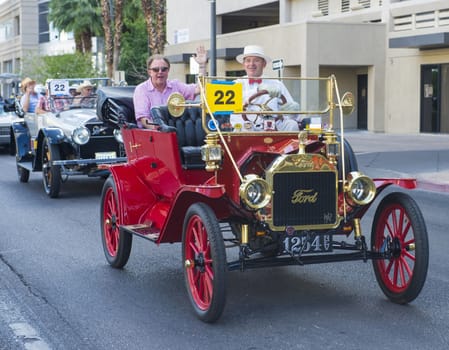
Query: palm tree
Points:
[82, 17]
[155, 17]
[112, 26]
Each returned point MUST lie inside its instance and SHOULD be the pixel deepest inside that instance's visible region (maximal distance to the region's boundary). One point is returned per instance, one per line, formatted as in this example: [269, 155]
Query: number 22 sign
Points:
[224, 96]
[59, 87]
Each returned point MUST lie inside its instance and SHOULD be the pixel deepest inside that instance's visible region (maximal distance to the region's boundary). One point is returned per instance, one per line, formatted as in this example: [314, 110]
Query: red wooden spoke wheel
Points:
[116, 244]
[399, 231]
[204, 262]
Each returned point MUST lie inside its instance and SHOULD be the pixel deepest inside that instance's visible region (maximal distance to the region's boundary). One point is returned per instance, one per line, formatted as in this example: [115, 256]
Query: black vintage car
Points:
[69, 139]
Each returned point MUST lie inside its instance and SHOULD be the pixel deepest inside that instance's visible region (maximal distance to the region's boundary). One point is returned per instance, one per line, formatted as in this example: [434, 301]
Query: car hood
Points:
[72, 119]
[69, 120]
[7, 118]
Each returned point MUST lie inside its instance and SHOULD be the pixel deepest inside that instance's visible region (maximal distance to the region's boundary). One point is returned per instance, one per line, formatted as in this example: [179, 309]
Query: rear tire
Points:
[116, 244]
[350, 160]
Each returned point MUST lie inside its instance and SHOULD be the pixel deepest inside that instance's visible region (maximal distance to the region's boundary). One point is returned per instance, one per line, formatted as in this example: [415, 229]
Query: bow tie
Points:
[255, 81]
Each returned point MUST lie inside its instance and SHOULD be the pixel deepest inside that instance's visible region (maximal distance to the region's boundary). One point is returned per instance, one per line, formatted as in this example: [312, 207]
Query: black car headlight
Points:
[360, 188]
[81, 135]
[254, 192]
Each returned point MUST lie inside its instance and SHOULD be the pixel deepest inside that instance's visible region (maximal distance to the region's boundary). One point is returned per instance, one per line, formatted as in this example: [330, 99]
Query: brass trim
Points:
[357, 228]
[245, 234]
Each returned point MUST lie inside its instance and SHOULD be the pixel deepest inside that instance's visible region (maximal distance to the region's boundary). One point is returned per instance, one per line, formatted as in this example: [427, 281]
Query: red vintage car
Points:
[274, 197]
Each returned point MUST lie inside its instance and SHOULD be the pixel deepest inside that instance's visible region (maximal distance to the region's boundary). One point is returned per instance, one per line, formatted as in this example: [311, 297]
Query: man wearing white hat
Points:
[254, 62]
[85, 99]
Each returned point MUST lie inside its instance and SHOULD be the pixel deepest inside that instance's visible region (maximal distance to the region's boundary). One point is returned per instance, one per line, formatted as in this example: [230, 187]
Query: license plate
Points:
[105, 155]
[307, 244]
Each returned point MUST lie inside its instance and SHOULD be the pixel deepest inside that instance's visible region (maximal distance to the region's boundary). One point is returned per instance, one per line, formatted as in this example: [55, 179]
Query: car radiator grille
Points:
[4, 130]
[99, 144]
[304, 198]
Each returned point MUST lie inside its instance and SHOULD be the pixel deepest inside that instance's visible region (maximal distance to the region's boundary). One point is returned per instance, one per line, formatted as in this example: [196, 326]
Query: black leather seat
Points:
[189, 131]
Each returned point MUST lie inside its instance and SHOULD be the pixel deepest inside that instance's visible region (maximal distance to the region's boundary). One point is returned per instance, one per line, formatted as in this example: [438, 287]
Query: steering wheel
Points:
[263, 107]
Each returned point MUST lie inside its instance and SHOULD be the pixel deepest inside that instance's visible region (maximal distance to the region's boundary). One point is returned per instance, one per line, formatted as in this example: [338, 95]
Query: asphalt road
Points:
[57, 291]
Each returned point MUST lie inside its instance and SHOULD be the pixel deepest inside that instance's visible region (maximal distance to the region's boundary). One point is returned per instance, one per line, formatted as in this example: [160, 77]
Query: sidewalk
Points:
[421, 156]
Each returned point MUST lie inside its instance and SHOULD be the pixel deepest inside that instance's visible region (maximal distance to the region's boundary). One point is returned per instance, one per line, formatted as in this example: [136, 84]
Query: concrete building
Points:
[25, 32]
[393, 54]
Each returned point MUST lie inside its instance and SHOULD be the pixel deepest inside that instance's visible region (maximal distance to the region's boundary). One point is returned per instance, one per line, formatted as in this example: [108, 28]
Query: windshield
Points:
[267, 104]
[65, 94]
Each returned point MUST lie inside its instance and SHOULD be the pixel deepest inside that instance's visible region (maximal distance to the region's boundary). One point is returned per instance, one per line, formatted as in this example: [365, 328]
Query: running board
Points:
[141, 230]
[26, 165]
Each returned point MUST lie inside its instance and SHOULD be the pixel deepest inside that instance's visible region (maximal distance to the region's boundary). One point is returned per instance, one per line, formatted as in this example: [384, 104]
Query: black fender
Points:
[53, 135]
[22, 139]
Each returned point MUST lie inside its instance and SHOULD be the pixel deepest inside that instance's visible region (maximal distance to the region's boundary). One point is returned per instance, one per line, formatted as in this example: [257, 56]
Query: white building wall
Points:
[393, 74]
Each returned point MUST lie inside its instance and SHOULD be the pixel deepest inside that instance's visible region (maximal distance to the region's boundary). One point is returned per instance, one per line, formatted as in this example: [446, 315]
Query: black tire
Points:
[350, 160]
[23, 174]
[51, 174]
[402, 276]
[12, 144]
[116, 244]
[204, 260]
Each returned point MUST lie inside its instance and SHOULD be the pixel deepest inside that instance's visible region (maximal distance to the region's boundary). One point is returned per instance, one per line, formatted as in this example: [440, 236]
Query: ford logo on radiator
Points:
[304, 196]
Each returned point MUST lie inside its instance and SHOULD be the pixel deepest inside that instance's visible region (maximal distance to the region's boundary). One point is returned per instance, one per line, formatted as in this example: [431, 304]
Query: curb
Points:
[432, 186]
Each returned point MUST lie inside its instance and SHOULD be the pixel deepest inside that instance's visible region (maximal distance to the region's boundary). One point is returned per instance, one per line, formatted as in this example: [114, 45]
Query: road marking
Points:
[24, 333]
[29, 336]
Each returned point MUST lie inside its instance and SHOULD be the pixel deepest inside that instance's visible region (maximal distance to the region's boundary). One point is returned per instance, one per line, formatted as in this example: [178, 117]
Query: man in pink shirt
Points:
[156, 90]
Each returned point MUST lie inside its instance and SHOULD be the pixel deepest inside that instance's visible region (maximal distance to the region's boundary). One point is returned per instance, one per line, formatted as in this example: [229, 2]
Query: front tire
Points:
[51, 174]
[400, 230]
[116, 244]
[204, 260]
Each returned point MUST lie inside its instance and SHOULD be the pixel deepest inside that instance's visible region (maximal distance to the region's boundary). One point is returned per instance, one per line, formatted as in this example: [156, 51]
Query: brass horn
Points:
[347, 103]
[176, 104]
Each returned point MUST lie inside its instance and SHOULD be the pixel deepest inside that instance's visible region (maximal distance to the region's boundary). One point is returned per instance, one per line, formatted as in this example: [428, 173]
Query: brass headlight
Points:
[81, 135]
[254, 192]
[360, 188]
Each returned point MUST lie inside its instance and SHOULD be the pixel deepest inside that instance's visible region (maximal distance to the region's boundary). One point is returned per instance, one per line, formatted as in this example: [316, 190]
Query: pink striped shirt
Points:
[147, 96]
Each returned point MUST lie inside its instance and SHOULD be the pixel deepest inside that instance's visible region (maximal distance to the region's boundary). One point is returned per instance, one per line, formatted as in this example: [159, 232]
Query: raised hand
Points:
[201, 56]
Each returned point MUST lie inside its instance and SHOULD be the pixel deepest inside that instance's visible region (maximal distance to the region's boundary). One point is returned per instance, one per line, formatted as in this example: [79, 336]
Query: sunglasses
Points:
[159, 69]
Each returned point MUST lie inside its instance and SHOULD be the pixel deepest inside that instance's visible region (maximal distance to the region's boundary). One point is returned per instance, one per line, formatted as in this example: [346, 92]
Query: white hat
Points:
[85, 84]
[252, 50]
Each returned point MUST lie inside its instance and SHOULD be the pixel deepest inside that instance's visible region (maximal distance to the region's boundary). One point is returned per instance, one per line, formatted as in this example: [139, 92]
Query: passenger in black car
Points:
[85, 99]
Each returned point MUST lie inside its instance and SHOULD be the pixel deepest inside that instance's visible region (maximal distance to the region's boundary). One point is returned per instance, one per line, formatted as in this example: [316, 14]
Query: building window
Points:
[7, 66]
[323, 6]
[345, 6]
[17, 25]
[365, 3]
[251, 17]
[235, 73]
[44, 29]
